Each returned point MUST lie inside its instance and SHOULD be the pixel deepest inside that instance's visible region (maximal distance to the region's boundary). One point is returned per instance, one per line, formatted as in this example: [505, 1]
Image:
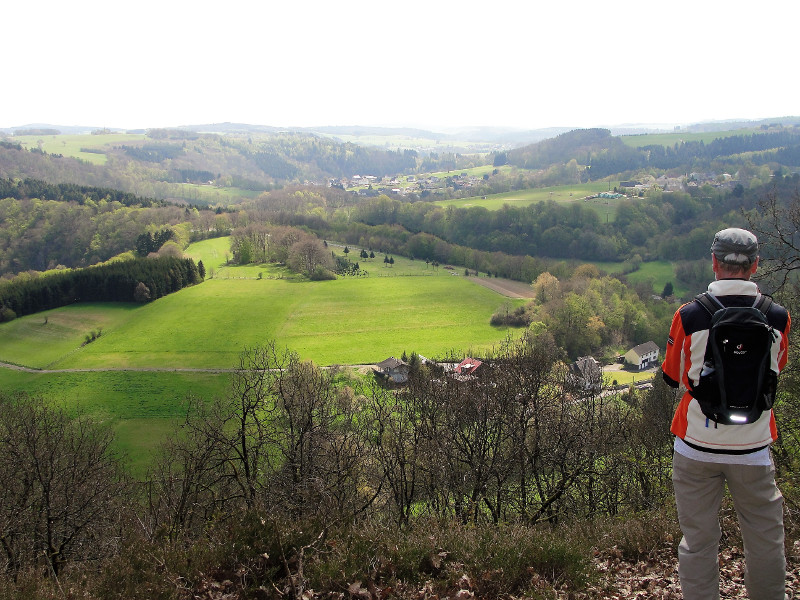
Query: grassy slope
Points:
[142, 407]
[564, 194]
[408, 306]
[347, 321]
[70, 145]
[676, 137]
[29, 341]
[659, 272]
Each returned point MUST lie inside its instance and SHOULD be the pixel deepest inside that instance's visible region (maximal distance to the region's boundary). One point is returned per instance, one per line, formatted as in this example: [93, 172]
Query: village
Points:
[372, 186]
[585, 372]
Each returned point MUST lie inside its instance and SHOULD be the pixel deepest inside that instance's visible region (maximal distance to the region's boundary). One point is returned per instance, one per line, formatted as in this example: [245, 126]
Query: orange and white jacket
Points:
[686, 348]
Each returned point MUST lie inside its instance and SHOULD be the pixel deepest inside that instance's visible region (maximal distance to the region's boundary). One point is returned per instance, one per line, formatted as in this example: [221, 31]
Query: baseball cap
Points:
[734, 246]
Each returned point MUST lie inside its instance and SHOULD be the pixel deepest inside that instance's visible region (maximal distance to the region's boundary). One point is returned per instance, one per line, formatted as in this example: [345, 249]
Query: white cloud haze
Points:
[434, 64]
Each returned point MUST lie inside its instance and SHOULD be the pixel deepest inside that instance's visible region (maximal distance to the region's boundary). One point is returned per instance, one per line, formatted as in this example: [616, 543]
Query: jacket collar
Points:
[733, 287]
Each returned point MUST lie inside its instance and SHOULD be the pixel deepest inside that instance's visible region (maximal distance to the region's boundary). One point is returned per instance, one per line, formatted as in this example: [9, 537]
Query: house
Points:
[392, 368]
[467, 366]
[586, 373]
[643, 355]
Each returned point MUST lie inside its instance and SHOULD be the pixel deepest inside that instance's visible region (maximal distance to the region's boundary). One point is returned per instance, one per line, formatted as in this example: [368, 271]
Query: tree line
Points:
[28, 188]
[603, 154]
[654, 227]
[40, 234]
[113, 282]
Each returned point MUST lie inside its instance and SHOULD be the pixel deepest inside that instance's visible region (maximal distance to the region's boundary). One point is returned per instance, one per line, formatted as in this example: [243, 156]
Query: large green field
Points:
[149, 357]
[348, 321]
[564, 194]
[676, 137]
[658, 272]
[73, 145]
[406, 307]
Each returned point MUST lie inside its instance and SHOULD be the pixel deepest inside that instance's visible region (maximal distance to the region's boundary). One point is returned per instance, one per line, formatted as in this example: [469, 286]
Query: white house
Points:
[642, 356]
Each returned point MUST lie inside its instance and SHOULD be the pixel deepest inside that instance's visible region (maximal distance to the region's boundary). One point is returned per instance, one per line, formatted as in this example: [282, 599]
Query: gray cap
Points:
[734, 246]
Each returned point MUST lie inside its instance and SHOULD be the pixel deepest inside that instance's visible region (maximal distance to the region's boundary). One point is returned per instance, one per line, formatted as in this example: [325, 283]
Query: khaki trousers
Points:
[699, 487]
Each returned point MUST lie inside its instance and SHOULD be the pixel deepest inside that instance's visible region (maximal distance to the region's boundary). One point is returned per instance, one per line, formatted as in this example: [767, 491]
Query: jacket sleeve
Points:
[783, 354]
[672, 365]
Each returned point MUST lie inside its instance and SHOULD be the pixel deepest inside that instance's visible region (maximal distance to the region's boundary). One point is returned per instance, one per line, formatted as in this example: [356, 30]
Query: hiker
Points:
[724, 444]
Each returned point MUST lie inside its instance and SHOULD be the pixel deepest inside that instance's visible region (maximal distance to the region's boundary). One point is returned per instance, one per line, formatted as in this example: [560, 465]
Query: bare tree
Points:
[777, 225]
[189, 482]
[283, 437]
[396, 444]
[307, 254]
[60, 486]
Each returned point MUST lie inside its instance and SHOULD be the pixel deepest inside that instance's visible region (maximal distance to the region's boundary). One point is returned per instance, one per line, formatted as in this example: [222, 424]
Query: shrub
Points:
[6, 314]
[320, 273]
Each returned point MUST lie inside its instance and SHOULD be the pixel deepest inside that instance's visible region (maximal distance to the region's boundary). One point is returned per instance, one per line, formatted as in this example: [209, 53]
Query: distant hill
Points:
[62, 129]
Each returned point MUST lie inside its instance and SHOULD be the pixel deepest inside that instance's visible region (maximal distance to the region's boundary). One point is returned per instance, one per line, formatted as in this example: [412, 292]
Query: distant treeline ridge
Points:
[70, 192]
[137, 280]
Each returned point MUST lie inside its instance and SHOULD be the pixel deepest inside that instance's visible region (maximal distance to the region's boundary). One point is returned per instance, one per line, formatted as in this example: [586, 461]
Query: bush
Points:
[320, 273]
[519, 317]
[6, 314]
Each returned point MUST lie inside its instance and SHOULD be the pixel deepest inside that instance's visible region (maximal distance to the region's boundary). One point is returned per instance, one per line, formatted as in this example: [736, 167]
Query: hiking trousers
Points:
[699, 487]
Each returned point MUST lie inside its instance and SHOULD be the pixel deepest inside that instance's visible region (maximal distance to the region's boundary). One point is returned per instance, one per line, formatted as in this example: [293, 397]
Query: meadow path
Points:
[14, 367]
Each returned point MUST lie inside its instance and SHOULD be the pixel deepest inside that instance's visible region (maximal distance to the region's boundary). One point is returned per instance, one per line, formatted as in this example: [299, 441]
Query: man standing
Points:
[708, 454]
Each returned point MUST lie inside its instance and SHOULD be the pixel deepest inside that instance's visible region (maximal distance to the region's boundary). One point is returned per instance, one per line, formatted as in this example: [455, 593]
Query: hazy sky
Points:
[432, 63]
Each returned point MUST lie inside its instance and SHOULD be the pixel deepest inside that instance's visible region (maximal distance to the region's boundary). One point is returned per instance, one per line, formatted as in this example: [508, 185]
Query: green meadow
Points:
[40, 340]
[347, 321]
[408, 306]
[211, 195]
[677, 137]
[149, 357]
[473, 171]
[73, 145]
[564, 194]
[658, 272]
[142, 407]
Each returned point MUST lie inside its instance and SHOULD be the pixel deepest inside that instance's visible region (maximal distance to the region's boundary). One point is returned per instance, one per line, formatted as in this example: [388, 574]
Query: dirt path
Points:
[3, 365]
[506, 287]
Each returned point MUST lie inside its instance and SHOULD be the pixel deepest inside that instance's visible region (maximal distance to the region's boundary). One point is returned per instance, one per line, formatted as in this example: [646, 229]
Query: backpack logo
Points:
[737, 383]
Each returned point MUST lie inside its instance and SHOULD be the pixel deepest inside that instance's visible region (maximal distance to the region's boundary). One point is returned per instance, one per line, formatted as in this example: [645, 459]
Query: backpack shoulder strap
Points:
[705, 300]
[763, 303]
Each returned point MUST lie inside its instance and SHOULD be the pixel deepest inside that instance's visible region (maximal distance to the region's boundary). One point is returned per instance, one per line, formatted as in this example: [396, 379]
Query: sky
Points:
[435, 64]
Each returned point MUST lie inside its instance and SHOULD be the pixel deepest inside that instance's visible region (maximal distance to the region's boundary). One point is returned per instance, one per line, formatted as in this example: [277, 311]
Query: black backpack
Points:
[737, 383]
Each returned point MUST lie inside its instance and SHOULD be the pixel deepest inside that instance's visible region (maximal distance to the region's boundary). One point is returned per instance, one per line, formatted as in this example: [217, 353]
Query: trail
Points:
[4, 365]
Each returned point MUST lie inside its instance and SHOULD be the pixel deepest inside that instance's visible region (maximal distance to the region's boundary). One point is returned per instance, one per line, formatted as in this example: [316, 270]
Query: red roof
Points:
[468, 366]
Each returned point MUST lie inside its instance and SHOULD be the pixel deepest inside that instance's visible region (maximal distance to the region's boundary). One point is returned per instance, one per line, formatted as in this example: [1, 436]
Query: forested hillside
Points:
[159, 165]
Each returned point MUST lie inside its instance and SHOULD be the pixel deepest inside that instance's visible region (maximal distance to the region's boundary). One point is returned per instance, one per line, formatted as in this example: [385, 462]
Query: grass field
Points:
[348, 321]
[565, 194]
[676, 137]
[142, 407]
[659, 272]
[70, 145]
[129, 375]
[473, 172]
[211, 195]
[31, 342]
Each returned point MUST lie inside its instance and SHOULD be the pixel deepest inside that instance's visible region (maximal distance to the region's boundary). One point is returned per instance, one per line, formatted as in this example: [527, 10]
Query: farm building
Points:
[467, 366]
[643, 355]
[586, 373]
[392, 368]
